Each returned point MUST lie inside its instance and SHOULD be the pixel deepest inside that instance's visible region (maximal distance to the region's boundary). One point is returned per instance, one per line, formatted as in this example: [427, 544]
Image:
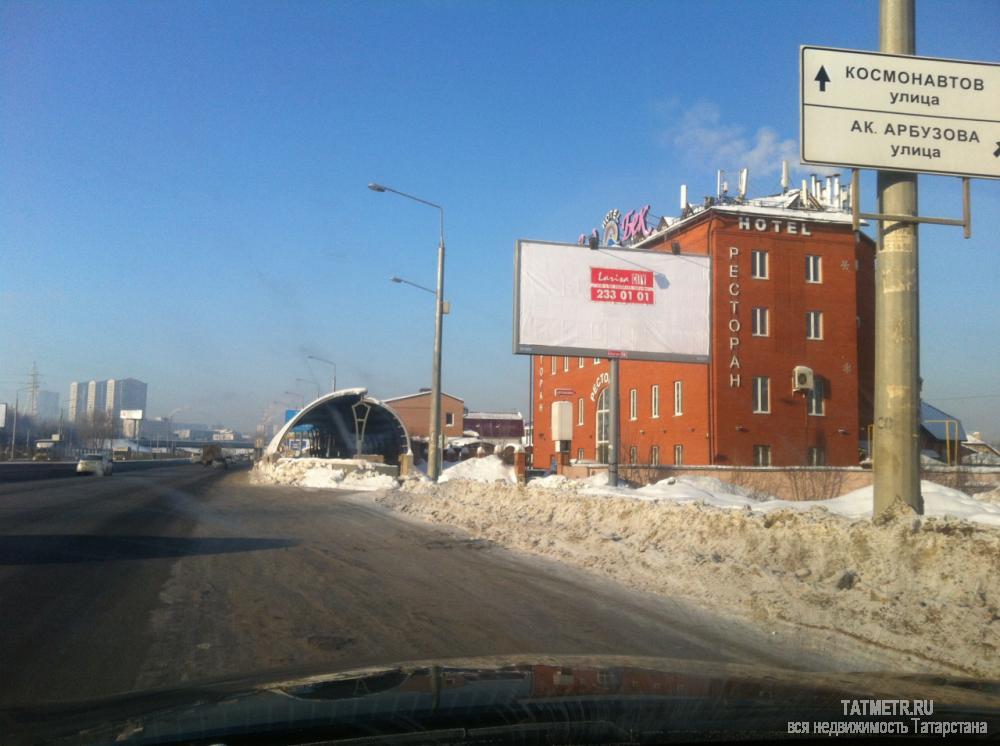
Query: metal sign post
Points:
[902, 115]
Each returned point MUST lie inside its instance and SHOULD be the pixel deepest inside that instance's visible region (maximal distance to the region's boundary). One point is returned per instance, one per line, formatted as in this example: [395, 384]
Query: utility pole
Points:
[897, 312]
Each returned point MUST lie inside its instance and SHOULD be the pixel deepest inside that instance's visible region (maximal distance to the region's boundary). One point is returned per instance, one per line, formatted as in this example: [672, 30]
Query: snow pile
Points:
[321, 473]
[917, 594]
[939, 501]
[485, 469]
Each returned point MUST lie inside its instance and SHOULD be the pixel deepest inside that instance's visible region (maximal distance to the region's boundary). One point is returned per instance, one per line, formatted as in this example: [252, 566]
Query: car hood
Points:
[577, 698]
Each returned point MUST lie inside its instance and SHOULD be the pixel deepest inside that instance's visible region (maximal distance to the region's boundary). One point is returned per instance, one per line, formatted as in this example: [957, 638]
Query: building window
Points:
[553, 365]
[654, 456]
[654, 397]
[678, 398]
[816, 456]
[580, 362]
[566, 364]
[815, 398]
[579, 411]
[761, 395]
[759, 323]
[762, 455]
[449, 419]
[678, 455]
[633, 404]
[579, 454]
[597, 360]
[814, 269]
[758, 264]
[814, 325]
[633, 455]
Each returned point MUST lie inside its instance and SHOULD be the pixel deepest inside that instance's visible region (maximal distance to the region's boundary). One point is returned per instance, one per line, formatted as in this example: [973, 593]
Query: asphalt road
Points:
[180, 575]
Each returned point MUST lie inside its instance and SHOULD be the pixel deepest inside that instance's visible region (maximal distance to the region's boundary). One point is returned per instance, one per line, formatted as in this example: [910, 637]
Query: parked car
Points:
[96, 463]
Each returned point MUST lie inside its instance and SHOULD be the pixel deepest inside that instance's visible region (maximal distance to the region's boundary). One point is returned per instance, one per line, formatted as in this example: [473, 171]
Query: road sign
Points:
[900, 113]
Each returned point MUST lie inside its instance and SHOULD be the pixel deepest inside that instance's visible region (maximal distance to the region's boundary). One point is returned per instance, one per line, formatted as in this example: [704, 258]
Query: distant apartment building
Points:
[110, 396]
[415, 412]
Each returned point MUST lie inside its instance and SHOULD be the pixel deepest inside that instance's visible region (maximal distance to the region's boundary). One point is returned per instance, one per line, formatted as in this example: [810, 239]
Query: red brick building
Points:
[792, 285]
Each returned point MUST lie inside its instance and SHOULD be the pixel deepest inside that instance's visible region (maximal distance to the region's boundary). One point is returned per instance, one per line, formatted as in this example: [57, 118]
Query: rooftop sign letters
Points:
[900, 113]
[621, 231]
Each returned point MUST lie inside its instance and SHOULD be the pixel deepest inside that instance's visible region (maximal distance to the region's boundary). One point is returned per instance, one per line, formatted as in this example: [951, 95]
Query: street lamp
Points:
[314, 383]
[434, 447]
[328, 362]
[446, 306]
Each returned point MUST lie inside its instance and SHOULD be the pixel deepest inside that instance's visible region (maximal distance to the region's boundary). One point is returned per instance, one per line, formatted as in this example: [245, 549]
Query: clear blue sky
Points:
[183, 183]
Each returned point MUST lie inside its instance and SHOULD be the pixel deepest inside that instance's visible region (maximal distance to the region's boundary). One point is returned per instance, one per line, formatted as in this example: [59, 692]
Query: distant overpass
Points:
[165, 443]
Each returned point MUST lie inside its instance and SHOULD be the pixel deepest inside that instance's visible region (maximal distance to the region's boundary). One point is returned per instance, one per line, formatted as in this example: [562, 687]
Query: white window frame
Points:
[633, 404]
[760, 318]
[654, 398]
[678, 455]
[654, 456]
[597, 361]
[565, 363]
[812, 452]
[816, 398]
[581, 360]
[678, 398]
[449, 419]
[579, 454]
[761, 454]
[814, 262]
[554, 364]
[814, 326]
[759, 257]
[761, 392]
[579, 411]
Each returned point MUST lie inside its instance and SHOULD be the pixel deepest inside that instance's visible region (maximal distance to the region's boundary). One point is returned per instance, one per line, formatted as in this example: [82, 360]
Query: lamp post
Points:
[13, 435]
[312, 383]
[333, 382]
[434, 447]
[445, 305]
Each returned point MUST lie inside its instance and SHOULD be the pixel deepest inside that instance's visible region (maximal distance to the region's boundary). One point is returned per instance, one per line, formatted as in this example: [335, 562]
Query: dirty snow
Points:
[485, 469]
[919, 594]
[321, 473]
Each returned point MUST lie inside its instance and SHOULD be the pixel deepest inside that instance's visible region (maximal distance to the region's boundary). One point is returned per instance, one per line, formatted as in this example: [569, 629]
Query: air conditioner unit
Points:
[802, 378]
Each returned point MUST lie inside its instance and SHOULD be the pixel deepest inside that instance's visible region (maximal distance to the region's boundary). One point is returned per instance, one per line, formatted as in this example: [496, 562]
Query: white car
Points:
[96, 463]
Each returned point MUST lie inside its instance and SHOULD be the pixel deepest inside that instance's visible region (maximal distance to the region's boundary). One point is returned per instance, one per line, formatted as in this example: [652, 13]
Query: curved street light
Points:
[434, 447]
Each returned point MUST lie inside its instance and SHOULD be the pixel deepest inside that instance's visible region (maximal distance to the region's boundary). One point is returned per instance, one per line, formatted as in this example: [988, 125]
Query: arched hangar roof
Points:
[347, 423]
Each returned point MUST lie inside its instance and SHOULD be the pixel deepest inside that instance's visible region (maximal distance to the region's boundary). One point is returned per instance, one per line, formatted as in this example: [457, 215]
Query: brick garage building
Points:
[415, 412]
[792, 285]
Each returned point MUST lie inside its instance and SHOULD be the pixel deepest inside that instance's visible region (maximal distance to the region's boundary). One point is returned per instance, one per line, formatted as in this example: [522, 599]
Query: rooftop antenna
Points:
[744, 181]
[684, 199]
[784, 177]
[719, 182]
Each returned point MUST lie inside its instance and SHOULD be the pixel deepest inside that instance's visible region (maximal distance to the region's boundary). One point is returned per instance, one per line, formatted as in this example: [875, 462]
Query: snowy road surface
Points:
[180, 575]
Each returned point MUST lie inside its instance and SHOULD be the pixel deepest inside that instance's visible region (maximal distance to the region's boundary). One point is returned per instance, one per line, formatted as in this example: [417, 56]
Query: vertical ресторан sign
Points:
[900, 113]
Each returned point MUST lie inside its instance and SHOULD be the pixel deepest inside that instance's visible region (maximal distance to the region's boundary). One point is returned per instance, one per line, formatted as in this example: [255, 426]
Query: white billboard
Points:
[3, 416]
[131, 414]
[623, 303]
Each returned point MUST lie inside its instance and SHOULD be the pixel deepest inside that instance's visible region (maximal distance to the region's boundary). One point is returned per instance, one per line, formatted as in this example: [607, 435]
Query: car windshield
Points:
[597, 350]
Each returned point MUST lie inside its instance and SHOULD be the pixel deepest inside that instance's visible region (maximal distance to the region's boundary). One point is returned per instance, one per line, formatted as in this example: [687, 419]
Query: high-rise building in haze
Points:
[112, 396]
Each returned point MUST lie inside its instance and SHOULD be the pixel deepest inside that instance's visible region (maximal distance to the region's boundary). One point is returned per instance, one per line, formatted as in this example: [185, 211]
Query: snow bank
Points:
[921, 594]
[939, 501]
[485, 469]
[320, 473]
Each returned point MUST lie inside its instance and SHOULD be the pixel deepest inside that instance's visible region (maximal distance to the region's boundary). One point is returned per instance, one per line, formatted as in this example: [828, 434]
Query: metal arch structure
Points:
[346, 424]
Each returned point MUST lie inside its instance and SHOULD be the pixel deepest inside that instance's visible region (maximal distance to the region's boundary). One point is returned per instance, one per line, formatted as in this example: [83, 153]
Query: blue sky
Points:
[183, 183]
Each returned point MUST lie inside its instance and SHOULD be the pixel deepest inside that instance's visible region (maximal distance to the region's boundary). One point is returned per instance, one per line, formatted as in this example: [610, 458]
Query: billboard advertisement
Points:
[3, 416]
[131, 414]
[623, 303]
